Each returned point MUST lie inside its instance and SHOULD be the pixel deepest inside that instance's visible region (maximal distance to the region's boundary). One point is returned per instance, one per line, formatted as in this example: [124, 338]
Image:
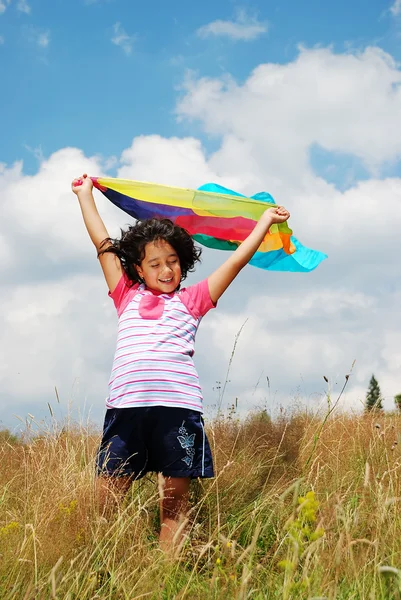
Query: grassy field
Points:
[301, 507]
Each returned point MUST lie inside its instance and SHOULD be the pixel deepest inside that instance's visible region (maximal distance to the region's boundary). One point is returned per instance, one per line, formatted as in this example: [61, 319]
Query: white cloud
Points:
[343, 102]
[244, 28]
[58, 325]
[122, 39]
[50, 213]
[23, 6]
[40, 352]
[49, 270]
[395, 9]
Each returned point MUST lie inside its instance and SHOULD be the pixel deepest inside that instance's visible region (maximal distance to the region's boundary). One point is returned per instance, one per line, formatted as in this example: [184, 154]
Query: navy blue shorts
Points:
[167, 440]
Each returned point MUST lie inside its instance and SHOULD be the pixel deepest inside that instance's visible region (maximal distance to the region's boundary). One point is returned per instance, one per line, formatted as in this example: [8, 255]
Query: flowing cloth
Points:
[215, 217]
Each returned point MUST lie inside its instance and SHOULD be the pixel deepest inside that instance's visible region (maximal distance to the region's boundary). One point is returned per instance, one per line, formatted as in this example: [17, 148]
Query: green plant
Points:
[302, 535]
[373, 396]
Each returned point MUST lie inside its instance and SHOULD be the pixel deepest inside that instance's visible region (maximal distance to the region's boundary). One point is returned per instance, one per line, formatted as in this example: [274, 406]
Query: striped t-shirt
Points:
[153, 363]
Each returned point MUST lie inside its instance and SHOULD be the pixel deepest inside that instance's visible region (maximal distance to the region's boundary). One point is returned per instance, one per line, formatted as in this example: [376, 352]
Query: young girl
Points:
[154, 409]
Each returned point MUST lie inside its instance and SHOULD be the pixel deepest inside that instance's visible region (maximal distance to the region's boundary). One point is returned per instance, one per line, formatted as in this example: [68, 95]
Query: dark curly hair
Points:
[130, 247]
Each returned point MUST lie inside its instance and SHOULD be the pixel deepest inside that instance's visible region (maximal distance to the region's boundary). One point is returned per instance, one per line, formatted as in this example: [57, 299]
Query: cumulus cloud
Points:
[304, 337]
[49, 273]
[122, 39]
[343, 102]
[40, 209]
[244, 28]
[39, 312]
[57, 324]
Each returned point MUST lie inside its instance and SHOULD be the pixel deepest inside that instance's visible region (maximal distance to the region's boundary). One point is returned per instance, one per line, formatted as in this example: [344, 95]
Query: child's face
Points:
[160, 268]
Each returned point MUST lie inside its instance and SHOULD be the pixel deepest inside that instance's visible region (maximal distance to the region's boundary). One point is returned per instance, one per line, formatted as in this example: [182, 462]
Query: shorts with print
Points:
[167, 440]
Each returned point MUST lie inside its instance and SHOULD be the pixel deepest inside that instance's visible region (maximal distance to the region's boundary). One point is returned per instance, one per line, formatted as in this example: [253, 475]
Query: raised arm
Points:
[224, 275]
[98, 233]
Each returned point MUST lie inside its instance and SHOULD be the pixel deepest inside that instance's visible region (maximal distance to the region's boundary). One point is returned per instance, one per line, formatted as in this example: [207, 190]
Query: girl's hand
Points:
[276, 214]
[112, 269]
[82, 184]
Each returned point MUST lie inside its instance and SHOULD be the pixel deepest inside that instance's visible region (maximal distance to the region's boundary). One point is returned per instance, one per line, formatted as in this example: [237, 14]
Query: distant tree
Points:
[373, 396]
[7, 437]
[397, 400]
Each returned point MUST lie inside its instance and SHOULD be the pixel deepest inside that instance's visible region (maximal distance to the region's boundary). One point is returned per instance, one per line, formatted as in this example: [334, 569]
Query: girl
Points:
[154, 409]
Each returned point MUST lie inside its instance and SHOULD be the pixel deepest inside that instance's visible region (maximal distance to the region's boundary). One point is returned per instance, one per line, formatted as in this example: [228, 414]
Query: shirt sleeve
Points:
[123, 293]
[197, 299]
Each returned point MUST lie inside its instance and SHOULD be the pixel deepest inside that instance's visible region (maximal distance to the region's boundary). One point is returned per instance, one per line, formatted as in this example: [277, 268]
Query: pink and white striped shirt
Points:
[153, 363]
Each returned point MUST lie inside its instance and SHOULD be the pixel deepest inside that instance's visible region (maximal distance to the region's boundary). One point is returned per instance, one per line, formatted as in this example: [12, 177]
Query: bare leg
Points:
[174, 492]
[110, 493]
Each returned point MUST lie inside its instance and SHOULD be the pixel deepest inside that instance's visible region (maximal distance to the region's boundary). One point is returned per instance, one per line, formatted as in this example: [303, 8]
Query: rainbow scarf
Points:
[215, 217]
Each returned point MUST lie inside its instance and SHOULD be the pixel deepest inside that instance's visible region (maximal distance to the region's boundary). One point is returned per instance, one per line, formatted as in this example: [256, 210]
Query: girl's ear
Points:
[139, 271]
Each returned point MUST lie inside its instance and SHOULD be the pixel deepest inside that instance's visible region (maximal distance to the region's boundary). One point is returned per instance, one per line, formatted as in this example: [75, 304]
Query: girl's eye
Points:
[154, 266]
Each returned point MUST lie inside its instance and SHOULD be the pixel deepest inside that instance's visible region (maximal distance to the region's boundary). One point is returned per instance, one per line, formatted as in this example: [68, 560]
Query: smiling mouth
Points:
[166, 280]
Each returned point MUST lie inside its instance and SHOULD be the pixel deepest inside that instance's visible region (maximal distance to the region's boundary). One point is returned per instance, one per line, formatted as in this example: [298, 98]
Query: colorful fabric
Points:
[153, 363]
[215, 217]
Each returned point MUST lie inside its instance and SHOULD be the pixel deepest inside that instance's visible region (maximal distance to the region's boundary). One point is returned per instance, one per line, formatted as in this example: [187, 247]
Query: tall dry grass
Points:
[289, 515]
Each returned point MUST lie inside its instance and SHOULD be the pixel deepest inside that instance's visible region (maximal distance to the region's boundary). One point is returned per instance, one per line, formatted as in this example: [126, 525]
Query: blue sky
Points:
[67, 84]
[298, 98]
